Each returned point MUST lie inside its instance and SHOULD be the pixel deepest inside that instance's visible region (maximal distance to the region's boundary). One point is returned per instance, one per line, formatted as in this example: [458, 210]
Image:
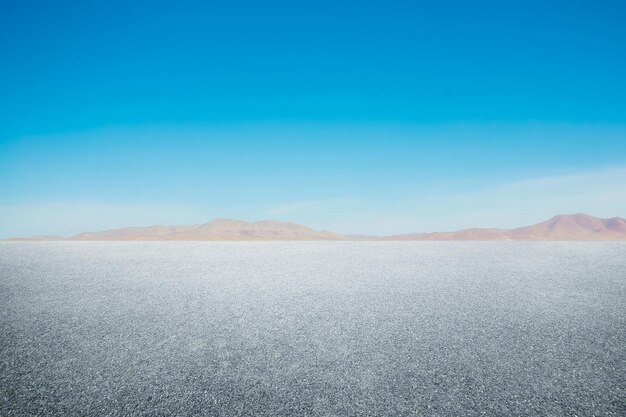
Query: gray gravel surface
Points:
[313, 328]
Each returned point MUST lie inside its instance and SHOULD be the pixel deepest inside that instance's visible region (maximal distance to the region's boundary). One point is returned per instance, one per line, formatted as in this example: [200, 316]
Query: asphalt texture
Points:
[313, 328]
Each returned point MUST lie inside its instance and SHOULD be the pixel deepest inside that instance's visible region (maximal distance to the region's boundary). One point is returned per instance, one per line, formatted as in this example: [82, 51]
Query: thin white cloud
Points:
[600, 193]
[508, 204]
[576, 182]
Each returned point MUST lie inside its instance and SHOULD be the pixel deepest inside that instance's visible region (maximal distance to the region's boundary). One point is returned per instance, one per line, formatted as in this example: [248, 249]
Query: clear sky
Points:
[360, 117]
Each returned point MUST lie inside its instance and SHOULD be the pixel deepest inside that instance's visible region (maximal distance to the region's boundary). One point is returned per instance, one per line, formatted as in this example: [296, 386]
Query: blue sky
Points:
[369, 117]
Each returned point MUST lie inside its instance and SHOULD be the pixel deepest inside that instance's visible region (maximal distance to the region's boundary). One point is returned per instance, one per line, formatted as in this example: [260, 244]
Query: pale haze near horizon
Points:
[389, 194]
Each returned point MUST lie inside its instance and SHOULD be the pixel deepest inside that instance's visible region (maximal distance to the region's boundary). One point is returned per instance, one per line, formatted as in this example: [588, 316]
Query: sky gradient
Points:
[364, 117]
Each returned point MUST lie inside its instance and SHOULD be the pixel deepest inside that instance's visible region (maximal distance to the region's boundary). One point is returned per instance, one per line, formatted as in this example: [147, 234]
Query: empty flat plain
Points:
[313, 328]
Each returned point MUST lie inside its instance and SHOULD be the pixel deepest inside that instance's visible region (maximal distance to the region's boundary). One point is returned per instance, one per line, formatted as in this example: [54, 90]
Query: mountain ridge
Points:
[578, 226]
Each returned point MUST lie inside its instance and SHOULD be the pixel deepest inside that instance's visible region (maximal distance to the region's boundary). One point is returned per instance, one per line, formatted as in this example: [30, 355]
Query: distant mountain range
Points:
[217, 229]
[561, 227]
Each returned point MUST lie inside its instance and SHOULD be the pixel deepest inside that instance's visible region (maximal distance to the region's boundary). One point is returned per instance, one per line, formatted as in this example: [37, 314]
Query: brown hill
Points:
[218, 229]
[562, 227]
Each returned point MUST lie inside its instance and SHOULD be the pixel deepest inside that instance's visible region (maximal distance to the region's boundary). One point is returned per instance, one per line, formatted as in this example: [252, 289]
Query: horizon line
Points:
[471, 233]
